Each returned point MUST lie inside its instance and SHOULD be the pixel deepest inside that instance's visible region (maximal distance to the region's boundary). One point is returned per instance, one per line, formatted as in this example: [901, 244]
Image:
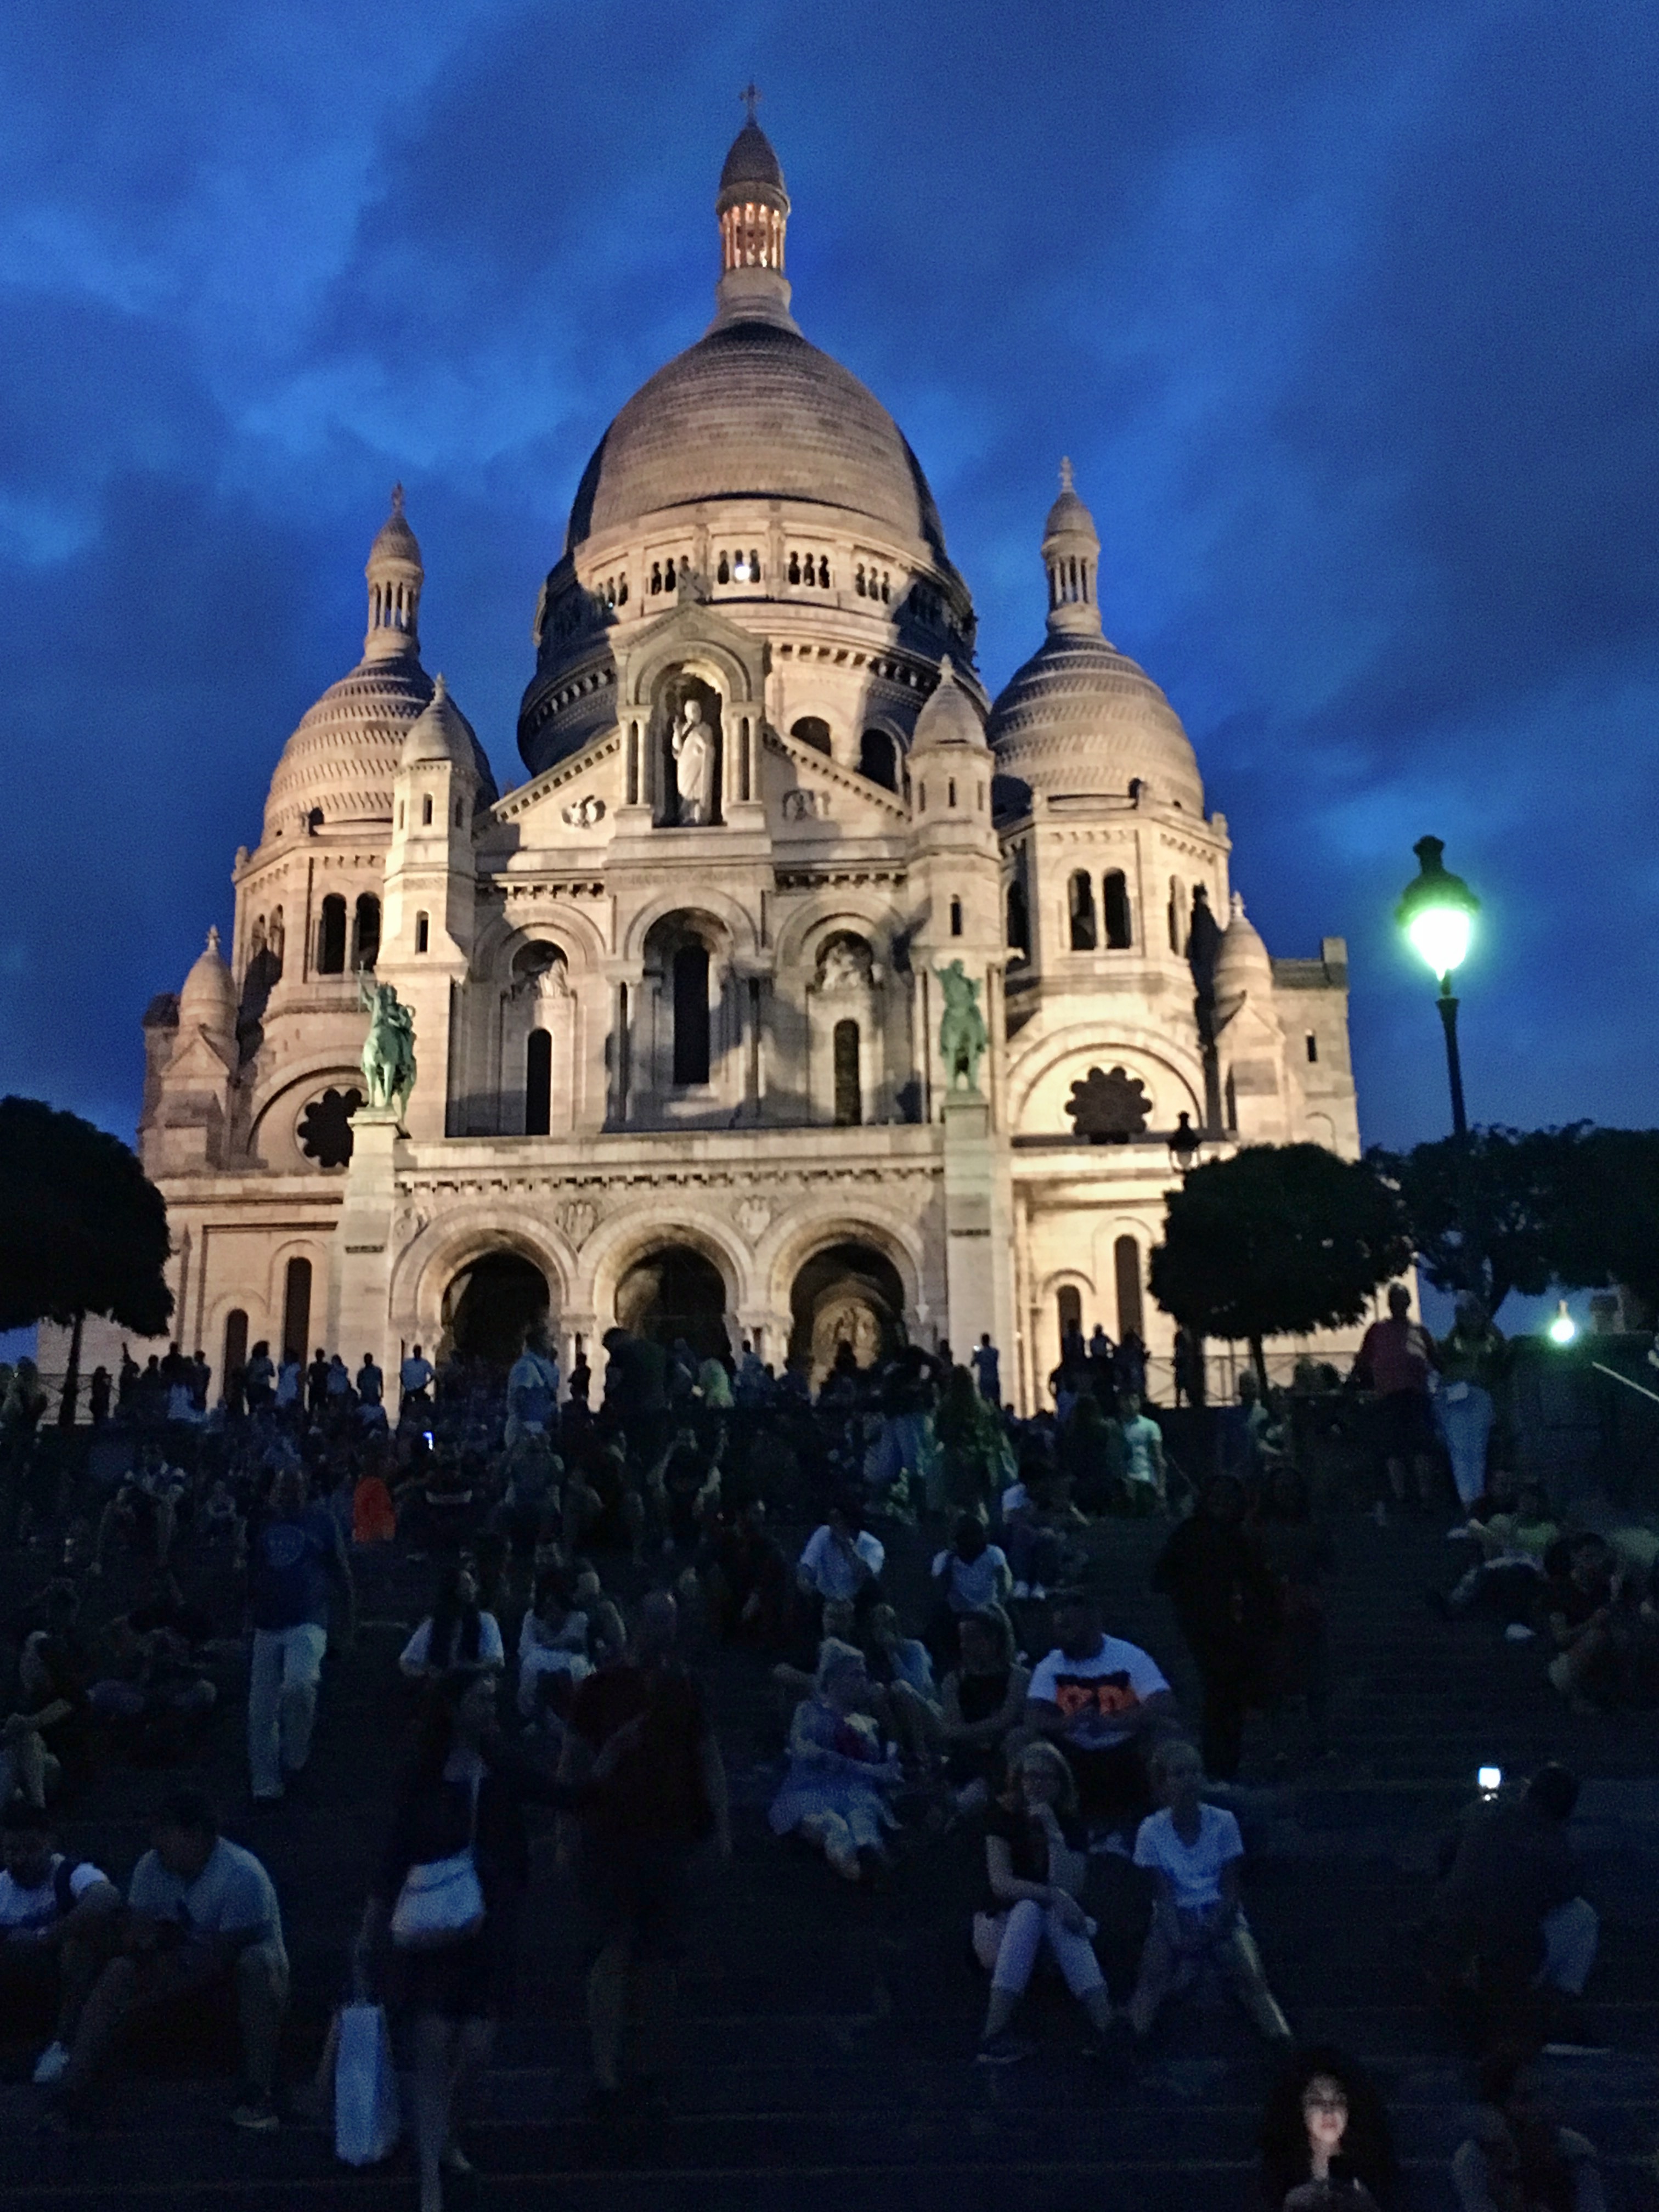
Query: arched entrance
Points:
[675, 1291]
[489, 1306]
[846, 1294]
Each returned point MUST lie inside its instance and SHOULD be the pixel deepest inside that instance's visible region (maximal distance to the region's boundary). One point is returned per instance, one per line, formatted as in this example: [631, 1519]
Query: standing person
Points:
[667, 1795]
[295, 1551]
[415, 1383]
[1396, 1356]
[985, 1368]
[317, 1383]
[259, 1378]
[1227, 1607]
[1144, 1473]
[97, 1396]
[371, 1383]
[1472, 1359]
[532, 1388]
[289, 1383]
[1510, 1906]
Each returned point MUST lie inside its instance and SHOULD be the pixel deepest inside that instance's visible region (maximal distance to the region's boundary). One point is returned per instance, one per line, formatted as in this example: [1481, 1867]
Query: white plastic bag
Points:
[366, 2124]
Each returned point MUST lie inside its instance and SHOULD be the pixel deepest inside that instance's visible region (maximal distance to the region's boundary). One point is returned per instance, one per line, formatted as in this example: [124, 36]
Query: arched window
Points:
[824, 572]
[691, 1014]
[538, 1084]
[426, 809]
[423, 931]
[1018, 932]
[1081, 900]
[951, 792]
[1230, 1100]
[367, 934]
[876, 759]
[849, 1085]
[1114, 897]
[956, 917]
[296, 1309]
[235, 1344]
[723, 572]
[1178, 916]
[331, 937]
[811, 730]
[1068, 1309]
[1313, 1049]
[1126, 1265]
[794, 568]
[921, 799]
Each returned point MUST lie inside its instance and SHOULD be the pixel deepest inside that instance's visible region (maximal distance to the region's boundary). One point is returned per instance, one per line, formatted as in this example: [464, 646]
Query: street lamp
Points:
[1437, 911]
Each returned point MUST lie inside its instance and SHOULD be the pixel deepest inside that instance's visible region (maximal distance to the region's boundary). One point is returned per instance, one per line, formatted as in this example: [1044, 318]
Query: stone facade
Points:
[676, 998]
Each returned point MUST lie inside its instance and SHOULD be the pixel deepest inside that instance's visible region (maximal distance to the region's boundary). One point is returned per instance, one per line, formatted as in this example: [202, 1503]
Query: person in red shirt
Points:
[1396, 1356]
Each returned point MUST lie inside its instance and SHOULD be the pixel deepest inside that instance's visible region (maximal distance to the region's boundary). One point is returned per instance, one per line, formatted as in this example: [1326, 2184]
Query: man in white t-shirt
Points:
[1105, 1703]
[56, 1928]
[841, 1562]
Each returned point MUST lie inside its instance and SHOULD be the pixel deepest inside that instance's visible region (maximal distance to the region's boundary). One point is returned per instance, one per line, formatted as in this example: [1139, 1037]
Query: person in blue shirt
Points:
[296, 1558]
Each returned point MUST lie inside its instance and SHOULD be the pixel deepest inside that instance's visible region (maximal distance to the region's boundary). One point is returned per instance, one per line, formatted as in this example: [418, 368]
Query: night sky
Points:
[1348, 313]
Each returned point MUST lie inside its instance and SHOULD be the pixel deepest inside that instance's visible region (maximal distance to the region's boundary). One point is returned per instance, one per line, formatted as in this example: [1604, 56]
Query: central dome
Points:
[754, 411]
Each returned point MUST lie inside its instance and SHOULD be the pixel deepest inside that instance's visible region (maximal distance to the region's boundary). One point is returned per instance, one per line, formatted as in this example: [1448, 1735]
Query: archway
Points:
[675, 1291]
[489, 1306]
[846, 1294]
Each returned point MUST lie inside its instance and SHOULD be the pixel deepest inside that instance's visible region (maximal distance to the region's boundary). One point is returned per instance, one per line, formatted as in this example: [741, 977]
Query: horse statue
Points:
[963, 1036]
[388, 1061]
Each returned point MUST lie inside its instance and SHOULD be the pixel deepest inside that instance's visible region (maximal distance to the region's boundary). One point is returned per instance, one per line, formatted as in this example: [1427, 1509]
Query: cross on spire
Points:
[397, 499]
[750, 96]
[1065, 475]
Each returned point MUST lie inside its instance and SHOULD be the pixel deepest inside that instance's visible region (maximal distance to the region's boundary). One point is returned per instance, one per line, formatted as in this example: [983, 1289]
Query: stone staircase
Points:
[828, 2034]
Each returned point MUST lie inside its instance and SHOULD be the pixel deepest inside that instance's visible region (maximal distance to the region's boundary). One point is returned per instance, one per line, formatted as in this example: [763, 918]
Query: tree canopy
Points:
[1487, 1210]
[1279, 1240]
[83, 1230]
[1607, 1216]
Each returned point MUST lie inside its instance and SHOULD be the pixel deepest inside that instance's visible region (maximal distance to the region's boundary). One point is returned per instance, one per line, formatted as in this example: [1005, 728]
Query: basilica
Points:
[681, 1001]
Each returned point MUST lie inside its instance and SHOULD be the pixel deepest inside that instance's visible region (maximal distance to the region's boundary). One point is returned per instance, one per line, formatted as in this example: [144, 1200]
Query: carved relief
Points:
[799, 806]
[583, 813]
[577, 1217]
[754, 1219]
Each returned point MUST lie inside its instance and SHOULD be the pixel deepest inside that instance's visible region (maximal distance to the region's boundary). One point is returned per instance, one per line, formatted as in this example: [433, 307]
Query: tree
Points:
[1606, 1225]
[1277, 1240]
[83, 1230]
[1485, 1210]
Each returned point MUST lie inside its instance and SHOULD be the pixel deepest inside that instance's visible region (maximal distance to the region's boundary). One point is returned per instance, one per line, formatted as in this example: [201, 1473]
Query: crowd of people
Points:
[912, 1572]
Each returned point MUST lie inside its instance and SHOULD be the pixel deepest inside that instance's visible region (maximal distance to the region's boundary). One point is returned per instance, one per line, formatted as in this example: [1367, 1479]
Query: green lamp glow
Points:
[1562, 1327]
[1437, 910]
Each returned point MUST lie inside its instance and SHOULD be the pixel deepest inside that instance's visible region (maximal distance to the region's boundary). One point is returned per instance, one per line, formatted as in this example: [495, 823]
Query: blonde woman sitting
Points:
[1035, 1860]
[841, 1777]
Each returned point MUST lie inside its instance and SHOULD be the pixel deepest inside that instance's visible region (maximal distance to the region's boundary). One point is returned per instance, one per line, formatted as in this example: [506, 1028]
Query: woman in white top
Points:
[552, 1642]
[457, 1632]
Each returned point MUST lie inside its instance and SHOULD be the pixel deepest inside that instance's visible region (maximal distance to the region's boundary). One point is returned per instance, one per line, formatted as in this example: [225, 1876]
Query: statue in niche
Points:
[845, 965]
[692, 743]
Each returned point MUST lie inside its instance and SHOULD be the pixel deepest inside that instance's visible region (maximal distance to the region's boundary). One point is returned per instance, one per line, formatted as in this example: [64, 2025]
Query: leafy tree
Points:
[83, 1230]
[1606, 1228]
[1277, 1240]
[1486, 1209]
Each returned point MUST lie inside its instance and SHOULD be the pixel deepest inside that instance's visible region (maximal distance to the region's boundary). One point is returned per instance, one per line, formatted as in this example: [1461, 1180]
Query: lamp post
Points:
[1437, 911]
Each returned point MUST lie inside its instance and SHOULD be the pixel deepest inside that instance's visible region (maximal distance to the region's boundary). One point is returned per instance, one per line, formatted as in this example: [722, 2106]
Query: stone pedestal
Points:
[978, 1230]
[360, 1281]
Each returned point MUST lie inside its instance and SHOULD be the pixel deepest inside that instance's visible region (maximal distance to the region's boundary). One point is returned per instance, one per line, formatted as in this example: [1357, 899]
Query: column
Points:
[978, 1229]
[359, 1278]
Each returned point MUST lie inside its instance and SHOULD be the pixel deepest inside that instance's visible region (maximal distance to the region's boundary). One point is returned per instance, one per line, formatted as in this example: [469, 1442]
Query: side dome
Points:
[948, 718]
[754, 410]
[441, 734]
[1242, 962]
[208, 998]
[1080, 718]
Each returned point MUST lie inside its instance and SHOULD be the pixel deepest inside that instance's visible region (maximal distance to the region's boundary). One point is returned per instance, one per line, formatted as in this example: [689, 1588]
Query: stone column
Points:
[978, 1229]
[359, 1281]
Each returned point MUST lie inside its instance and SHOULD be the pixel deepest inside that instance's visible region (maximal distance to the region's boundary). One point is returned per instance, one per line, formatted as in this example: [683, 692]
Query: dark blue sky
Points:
[1348, 315]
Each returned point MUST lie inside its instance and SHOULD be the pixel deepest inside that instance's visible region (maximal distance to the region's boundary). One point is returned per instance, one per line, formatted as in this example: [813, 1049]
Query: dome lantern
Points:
[1070, 556]
[395, 574]
[752, 207]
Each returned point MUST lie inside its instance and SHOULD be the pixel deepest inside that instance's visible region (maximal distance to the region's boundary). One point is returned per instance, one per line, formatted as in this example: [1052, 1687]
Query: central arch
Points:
[490, 1303]
[846, 1294]
[675, 1291]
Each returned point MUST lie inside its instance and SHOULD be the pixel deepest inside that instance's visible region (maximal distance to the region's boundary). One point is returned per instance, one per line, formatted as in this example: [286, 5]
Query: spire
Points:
[395, 577]
[1071, 555]
[752, 208]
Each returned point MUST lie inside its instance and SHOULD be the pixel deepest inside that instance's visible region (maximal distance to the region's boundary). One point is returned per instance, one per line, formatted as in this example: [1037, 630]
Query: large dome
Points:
[1080, 718]
[754, 411]
[344, 755]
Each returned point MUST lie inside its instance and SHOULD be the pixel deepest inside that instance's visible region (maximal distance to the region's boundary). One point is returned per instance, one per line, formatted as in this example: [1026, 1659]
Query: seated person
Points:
[143, 1515]
[746, 1580]
[981, 1702]
[971, 1574]
[1325, 2145]
[200, 1910]
[1193, 1852]
[1510, 1913]
[1035, 1862]
[903, 1698]
[1037, 1518]
[457, 1632]
[157, 1649]
[46, 1737]
[603, 1510]
[1105, 1703]
[841, 1777]
[1520, 2158]
[56, 1916]
[683, 1485]
[1506, 1578]
[1601, 1625]
[552, 1646]
[841, 1560]
[534, 1474]
[373, 1515]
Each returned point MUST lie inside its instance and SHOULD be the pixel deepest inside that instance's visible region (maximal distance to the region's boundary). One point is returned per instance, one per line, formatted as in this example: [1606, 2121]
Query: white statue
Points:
[693, 747]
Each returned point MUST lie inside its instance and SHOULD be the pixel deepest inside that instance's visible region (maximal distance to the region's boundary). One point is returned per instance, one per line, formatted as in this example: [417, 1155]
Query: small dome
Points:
[1242, 962]
[1081, 718]
[752, 161]
[209, 999]
[441, 733]
[1068, 517]
[948, 718]
[395, 541]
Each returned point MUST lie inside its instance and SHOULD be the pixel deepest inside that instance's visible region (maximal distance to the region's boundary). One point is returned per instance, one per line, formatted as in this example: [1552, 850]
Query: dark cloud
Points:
[1349, 318]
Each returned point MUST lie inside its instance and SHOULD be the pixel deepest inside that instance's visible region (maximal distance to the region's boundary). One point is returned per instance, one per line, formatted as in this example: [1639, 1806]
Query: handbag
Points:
[366, 2117]
[441, 1901]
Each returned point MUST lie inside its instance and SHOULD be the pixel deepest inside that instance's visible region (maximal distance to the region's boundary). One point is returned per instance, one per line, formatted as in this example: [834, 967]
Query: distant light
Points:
[1563, 1328]
[740, 572]
[1489, 1780]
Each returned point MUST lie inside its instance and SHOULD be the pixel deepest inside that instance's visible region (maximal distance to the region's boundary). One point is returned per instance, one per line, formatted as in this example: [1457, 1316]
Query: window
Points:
[235, 1343]
[426, 810]
[538, 1084]
[296, 1309]
[1313, 1049]
[921, 799]
[331, 937]
[1018, 932]
[811, 730]
[1114, 897]
[794, 568]
[956, 917]
[951, 793]
[876, 759]
[367, 931]
[422, 932]
[460, 809]
[1178, 915]
[1230, 1097]
[691, 1015]
[849, 1087]
[400, 814]
[1081, 901]
[1068, 1309]
[723, 570]
[823, 573]
[1126, 1265]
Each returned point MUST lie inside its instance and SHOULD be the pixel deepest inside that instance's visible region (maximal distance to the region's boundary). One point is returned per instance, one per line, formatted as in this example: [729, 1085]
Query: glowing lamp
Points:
[740, 571]
[1437, 910]
[1563, 1327]
[1489, 1780]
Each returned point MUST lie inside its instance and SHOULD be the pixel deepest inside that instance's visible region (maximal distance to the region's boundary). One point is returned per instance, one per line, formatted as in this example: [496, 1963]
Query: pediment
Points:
[571, 804]
[828, 794]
